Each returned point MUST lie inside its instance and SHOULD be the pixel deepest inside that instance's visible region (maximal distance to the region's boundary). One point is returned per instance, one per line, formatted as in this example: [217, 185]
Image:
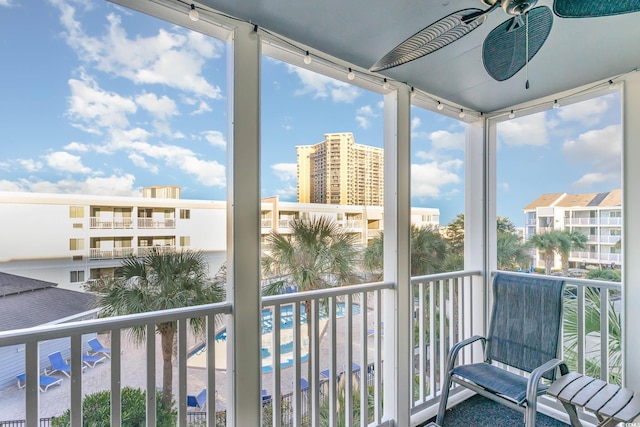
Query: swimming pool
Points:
[286, 318]
[286, 344]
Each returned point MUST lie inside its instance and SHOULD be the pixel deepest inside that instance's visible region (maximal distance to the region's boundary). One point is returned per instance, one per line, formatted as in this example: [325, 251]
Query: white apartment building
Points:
[69, 239]
[366, 222]
[597, 215]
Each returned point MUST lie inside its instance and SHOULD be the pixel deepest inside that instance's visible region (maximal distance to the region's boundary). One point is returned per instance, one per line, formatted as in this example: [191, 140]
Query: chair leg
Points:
[530, 416]
[444, 397]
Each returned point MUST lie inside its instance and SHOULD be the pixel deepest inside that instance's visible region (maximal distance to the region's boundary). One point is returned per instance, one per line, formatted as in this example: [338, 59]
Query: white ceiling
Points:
[577, 51]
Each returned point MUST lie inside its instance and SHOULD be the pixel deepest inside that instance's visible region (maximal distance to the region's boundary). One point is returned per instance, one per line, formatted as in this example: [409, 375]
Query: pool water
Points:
[286, 323]
[286, 318]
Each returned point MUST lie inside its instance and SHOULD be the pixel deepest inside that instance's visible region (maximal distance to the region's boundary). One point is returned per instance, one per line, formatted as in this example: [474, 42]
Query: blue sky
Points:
[97, 99]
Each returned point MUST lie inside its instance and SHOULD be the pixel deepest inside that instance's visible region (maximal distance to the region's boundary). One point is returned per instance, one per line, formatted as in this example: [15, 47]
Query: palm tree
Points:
[592, 313]
[511, 251]
[569, 240]
[318, 254]
[428, 252]
[159, 281]
[547, 245]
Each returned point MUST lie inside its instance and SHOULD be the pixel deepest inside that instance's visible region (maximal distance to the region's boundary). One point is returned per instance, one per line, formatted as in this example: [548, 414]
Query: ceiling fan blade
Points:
[594, 8]
[437, 35]
[504, 49]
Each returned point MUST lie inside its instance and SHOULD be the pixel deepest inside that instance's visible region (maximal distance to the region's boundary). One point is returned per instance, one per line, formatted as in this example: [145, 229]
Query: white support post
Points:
[243, 230]
[398, 367]
[480, 213]
[631, 230]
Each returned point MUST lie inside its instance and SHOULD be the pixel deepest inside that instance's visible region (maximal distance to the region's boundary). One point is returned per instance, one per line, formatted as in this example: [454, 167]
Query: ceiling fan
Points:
[510, 45]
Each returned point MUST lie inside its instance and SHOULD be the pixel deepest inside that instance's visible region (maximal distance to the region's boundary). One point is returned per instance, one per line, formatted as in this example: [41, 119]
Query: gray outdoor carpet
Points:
[481, 412]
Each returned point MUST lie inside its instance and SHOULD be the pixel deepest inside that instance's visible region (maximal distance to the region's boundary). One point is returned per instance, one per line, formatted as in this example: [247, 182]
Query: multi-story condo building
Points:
[365, 222]
[69, 239]
[338, 171]
[162, 192]
[597, 215]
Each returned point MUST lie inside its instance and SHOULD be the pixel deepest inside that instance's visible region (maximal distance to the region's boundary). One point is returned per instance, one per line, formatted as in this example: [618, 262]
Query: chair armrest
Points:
[536, 376]
[453, 353]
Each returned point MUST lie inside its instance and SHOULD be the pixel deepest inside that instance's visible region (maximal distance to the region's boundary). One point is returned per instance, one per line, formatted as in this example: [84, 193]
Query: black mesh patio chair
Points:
[524, 333]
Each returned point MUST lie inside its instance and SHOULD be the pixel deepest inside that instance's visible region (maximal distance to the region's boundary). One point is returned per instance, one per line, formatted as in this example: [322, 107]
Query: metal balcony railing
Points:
[110, 223]
[33, 337]
[150, 223]
[322, 351]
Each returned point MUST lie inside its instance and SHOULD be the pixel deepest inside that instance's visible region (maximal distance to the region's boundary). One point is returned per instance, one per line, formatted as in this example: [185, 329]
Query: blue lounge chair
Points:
[199, 401]
[92, 360]
[266, 398]
[58, 364]
[45, 381]
[98, 348]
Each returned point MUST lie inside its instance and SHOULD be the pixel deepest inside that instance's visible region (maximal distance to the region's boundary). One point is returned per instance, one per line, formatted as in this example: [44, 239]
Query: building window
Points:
[77, 225]
[185, 240]
[76, 211]
[76, 276]
[76, 244]
[185, 213]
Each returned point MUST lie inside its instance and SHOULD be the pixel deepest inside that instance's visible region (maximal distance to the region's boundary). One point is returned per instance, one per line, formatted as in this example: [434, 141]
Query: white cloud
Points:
[445, 140]
[364, 115]
[285, 171]
[6, 3]
[162, 108]
[103, 186]
[141, 162]
[415, 123]
[6, 185]
[66, 162]
[323, 87]
[210, 173]
[203, 107]
[586, 112]
[363, 122]
[97, 108]
[173, 59]
[289, 192]
[215, 138]
[30, 165]
[76, 146]
[428, 179]
[526, 130]
[590, 179]
[601, 147]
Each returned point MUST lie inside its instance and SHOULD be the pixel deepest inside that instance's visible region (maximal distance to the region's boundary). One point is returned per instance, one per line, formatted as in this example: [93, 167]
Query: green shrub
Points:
[96, 410]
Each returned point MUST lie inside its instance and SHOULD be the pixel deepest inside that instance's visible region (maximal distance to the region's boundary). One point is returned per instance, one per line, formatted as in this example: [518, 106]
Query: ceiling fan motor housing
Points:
[517, 7]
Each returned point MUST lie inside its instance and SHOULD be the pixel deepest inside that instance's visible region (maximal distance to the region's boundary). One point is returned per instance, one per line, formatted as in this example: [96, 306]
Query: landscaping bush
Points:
[96, 410]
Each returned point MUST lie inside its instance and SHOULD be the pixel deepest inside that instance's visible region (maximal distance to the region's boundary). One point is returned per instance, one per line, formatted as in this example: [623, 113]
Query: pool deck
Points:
[56, 399]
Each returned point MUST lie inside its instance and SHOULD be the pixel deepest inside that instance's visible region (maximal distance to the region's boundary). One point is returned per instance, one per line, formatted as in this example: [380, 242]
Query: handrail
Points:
[325, 293]
[616, 286]
[444, 276]
[63, 330]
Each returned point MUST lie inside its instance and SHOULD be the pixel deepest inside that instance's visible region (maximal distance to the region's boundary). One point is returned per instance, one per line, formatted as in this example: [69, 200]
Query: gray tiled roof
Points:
[11, 284]
[26, 302]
